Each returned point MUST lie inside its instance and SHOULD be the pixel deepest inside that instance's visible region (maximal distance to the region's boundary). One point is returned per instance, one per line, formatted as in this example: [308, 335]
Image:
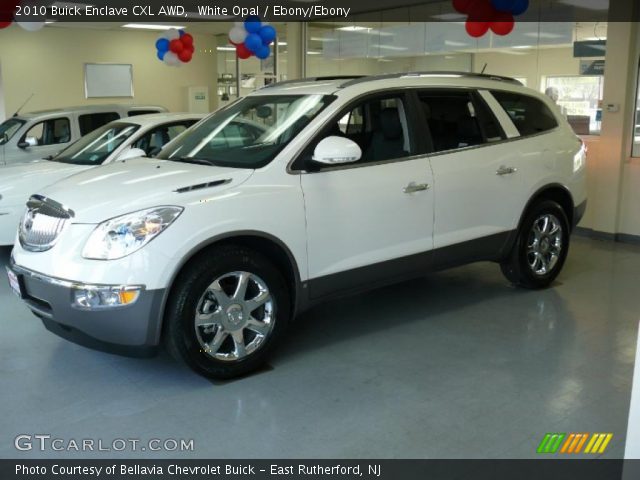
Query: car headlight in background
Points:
[121, 236]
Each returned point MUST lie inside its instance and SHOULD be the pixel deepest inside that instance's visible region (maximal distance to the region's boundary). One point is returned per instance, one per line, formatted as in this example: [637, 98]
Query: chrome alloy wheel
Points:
[545, 243]
[234, 316]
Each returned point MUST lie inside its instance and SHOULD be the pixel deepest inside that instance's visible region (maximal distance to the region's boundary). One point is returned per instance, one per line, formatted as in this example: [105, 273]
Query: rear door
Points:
[478, 192]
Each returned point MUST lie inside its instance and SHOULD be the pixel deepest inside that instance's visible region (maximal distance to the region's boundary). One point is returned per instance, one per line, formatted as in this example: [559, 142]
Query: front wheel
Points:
[541, 247]
[226, 312]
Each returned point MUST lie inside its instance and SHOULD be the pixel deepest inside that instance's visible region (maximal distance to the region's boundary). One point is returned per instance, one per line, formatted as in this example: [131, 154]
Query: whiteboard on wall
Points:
[103, 80]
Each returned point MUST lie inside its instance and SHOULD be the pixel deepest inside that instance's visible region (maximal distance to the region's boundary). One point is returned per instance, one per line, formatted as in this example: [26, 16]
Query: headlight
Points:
[121, 236]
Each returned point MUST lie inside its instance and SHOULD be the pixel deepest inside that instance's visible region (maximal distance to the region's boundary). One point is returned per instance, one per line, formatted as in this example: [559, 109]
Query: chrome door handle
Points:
[414, 187]
[506, 170]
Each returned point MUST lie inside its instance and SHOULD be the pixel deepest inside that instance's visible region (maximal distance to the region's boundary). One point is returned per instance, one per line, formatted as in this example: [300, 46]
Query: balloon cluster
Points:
[252, 37]
[494, 15]
[7, 15]
[175, 47]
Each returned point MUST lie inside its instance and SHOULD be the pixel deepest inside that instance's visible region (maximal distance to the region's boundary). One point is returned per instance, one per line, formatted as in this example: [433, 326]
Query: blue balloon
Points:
[181, 32]
[503, 5]
[161, 54]
[162, 45]
[263, 52]
[252, 24]
[253, 42]
[519, 7]
[268, 34]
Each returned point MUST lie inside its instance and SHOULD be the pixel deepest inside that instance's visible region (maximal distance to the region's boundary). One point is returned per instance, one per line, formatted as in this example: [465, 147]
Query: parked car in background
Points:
[216, 244]
[36, 135]
[143, 135]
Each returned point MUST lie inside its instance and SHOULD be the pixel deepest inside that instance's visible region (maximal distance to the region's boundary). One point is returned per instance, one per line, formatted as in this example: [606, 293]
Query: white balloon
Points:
[31, 26]
[239, 24]
[238, 35]
[171, 59]
[172, 34]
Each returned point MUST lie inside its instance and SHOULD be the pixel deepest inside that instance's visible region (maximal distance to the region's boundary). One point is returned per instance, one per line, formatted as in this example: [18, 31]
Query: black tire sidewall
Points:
[526, 275]
[191, 285]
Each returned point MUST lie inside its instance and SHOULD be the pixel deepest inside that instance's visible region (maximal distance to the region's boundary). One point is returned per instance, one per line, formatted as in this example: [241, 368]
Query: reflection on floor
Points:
[455, 365]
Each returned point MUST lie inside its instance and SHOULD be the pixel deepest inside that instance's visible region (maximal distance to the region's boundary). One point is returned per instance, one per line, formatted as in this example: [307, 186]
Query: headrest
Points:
[390, 123]
[467, 127]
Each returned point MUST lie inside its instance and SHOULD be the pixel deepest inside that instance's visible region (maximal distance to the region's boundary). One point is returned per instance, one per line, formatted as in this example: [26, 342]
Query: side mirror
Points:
[132, 153]
[337, 151]
[28, 142]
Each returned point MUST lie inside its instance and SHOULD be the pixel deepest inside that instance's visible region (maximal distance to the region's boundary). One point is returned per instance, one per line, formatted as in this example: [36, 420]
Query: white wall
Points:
[2, 109]
[50, 63]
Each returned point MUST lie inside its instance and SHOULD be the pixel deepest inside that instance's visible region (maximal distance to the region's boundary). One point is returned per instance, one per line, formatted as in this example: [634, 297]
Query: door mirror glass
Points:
[132, 153]
[337, 151]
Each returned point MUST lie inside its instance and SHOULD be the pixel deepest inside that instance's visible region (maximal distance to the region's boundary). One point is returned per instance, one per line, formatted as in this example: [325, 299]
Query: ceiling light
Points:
[226, 49]
[151, 26]
[354, 28]
[313, 53]
[448, 16]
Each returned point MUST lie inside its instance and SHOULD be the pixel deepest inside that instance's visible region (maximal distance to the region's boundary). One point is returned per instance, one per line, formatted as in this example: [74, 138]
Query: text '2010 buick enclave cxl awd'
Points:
[299, 192]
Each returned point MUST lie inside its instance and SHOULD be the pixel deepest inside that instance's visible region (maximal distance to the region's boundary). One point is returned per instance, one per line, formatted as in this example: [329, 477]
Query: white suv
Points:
[297, 193]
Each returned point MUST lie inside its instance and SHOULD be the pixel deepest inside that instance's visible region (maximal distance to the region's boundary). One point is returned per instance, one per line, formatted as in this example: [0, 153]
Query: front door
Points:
[370, 221]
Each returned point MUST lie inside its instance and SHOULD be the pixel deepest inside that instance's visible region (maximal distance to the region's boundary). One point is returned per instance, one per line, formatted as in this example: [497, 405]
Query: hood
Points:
[123, 187]
[19, 182]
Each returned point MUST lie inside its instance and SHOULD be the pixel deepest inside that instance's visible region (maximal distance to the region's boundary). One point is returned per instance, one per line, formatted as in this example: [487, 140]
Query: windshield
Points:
[248, 133]
[95, 148]
[9, 128]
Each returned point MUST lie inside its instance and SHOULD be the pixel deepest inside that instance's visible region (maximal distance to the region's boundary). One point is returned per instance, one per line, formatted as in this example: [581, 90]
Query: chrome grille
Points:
[42, 223]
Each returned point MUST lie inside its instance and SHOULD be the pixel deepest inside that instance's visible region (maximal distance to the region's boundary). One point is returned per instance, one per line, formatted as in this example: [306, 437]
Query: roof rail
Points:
[485, 76]
[316, 79]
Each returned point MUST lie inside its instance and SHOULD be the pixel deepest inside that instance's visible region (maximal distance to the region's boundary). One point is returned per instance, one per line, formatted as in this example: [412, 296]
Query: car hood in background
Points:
[19, 182]
[123, 187]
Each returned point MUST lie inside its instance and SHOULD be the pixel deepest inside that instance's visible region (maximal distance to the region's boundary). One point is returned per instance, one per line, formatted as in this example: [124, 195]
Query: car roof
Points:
[90, 108]
[355, 84]
[157, 118]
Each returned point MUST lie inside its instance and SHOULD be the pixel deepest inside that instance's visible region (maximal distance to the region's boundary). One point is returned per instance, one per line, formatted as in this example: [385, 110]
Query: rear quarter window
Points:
[529, 114]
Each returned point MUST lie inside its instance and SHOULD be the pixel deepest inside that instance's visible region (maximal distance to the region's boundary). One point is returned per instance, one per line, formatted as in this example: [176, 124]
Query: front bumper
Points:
[131, 330]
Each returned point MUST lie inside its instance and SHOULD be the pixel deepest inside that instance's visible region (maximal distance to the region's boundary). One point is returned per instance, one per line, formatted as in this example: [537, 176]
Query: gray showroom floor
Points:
[454, 365]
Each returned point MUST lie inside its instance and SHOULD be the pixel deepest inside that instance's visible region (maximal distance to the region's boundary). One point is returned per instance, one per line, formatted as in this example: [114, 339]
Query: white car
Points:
[31, 136]
[119, 140]
[216, 245]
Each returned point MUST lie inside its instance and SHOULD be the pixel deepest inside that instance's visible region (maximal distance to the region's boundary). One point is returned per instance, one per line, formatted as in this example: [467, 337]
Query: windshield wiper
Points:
[197, 161]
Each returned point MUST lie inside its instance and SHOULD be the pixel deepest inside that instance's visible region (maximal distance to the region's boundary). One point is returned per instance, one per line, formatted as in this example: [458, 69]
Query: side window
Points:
[529, 114]
[379, 126]
[455, 121]
[133, 113]
[49, 132]
[153, 141]
[92, 121]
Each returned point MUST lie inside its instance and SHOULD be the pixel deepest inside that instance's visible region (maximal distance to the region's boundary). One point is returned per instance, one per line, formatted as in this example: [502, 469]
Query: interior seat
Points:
[387, 141]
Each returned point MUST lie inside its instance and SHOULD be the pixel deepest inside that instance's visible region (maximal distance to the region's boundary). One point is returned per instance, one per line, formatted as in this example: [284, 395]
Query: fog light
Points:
[94, 298]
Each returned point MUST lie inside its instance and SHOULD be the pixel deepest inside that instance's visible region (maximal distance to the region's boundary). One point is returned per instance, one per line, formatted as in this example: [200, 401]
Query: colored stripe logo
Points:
[574, 443]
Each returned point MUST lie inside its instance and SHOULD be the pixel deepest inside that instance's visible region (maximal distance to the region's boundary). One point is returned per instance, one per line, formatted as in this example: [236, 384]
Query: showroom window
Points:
[49, 132]
[530, 115]
[580, 100]
[91, 121]
[636, 124]
[456, 121]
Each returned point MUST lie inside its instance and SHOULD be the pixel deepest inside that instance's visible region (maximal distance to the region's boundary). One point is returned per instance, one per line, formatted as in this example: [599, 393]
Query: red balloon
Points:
[7, 11]
[4, 24]
[482, 11]
[185, 55]
[462, 6]
[187, 40]
[243, 52]
[477, 29]
[503, 24]
[176, 46]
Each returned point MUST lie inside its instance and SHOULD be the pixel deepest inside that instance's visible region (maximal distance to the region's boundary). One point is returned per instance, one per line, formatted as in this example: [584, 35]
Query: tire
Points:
[540, 250]
[233, 338]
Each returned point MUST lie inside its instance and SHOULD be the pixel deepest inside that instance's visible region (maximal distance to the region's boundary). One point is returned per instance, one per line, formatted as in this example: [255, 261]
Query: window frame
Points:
[299, 163]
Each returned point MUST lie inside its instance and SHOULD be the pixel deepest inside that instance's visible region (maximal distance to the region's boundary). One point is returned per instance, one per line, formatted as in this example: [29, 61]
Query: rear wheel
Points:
[541, 247]
[227, 312]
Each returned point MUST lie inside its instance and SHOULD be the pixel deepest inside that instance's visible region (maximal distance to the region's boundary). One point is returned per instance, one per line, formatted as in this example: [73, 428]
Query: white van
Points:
[35, 135]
